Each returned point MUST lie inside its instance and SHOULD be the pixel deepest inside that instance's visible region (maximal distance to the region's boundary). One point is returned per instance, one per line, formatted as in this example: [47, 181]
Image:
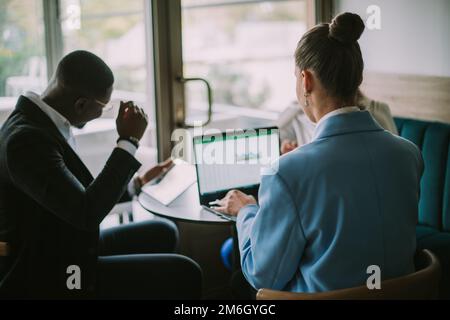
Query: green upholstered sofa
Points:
[433, 230]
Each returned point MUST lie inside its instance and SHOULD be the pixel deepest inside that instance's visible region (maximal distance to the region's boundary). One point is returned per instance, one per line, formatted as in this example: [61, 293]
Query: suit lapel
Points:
[76, 165]
[36, 117]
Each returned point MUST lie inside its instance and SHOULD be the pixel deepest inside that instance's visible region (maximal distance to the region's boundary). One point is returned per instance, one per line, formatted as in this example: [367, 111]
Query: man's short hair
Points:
[84, 73]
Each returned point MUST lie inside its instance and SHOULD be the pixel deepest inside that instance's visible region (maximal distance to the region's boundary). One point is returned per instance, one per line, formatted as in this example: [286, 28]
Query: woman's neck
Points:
[326, 105]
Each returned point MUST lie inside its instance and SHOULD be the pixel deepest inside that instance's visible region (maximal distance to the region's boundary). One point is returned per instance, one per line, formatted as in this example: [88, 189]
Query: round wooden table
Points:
[185, 208]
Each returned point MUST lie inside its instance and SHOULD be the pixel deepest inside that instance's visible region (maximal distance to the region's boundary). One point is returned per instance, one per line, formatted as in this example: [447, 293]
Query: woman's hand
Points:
[234, 201]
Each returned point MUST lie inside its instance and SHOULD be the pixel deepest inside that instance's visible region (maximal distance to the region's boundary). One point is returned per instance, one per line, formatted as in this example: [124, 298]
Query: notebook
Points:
[177, 180]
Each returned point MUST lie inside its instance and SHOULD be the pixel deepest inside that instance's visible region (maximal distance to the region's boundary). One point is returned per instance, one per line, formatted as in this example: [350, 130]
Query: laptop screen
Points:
[233, 159]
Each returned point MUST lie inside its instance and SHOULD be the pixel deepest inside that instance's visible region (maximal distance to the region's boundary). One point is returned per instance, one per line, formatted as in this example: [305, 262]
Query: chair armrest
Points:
[267, 294]
[121, 208]
[4, 249]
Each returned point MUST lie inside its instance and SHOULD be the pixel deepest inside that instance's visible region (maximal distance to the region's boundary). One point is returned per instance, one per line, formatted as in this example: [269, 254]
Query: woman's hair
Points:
[333, 53]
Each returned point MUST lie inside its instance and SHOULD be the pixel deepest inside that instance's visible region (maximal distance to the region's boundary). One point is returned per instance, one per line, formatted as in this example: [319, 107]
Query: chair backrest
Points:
[422, 284]
[433, 138]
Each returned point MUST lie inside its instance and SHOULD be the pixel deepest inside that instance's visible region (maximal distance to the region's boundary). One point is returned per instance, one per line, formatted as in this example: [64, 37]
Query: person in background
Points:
[51, 206]
[296, 129]
[341, 203]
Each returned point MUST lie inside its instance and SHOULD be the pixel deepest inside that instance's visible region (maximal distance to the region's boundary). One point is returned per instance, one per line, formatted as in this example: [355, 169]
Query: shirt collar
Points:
[334, 113]
[58, 119]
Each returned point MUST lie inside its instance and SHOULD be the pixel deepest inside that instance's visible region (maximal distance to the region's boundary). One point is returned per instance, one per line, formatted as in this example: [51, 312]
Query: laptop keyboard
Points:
[220, 214]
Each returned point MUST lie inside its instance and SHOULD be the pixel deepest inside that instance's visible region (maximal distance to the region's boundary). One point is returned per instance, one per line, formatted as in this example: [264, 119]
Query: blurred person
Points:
[296, 129]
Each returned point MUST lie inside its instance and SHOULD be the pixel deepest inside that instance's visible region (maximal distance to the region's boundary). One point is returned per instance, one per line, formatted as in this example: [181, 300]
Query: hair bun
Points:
[346, 27]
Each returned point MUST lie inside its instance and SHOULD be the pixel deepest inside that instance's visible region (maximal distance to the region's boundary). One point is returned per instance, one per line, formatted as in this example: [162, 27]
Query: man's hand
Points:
[151, 174]
[234, 201]
[288, 146]
[131, 121]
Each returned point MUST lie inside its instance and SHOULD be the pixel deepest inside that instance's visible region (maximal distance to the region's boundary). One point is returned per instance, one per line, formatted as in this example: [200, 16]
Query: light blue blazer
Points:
[332, 208]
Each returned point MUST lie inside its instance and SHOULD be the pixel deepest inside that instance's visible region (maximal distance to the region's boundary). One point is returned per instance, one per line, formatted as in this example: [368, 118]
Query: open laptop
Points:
[233, 160]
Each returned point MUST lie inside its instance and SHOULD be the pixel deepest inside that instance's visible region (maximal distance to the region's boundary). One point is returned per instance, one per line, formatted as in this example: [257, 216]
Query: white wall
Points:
[414, 36]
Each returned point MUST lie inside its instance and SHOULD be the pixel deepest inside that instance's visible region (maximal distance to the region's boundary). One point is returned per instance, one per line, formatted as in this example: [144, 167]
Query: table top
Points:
[185, 208]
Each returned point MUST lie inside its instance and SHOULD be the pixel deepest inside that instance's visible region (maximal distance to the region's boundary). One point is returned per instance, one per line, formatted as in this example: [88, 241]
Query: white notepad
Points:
[175, 182]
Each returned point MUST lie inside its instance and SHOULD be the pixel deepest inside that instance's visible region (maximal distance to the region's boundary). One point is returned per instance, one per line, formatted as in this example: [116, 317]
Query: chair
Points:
[433, 229]
[4, 249]
[422, 284]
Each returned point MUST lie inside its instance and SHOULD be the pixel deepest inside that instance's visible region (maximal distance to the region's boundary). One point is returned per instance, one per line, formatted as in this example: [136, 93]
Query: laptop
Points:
[233, 160]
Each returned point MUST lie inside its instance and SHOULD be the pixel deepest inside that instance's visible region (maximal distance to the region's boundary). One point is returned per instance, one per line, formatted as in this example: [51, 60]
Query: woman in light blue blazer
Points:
[348, 200]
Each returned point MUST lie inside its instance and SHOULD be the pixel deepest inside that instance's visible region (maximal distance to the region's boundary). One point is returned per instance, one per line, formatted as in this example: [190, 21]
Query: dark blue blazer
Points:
[51, 206]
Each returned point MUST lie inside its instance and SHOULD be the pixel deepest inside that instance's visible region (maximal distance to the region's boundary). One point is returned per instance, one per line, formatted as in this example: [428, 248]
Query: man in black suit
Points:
[51, 206]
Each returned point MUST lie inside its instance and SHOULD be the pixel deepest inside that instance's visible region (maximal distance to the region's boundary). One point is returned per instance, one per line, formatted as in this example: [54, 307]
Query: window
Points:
[244, 49]
[22, 51]
[115, 30]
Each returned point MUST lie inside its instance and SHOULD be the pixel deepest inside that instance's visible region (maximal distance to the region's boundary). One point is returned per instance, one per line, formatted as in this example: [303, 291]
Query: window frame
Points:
[53, 35]
[54, 46]
[164, 47]
[170, 96]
